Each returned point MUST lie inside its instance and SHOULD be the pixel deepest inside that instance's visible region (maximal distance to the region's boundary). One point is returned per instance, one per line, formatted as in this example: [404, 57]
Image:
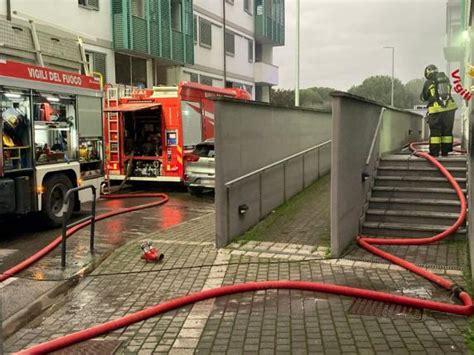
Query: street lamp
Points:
[297, 83]
[393, 69]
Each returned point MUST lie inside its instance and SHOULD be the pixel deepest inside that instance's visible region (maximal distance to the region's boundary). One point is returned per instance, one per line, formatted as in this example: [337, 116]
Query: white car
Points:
[199, 170]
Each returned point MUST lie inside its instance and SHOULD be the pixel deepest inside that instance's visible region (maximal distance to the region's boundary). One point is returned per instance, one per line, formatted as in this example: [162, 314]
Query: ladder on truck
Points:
[112, 124]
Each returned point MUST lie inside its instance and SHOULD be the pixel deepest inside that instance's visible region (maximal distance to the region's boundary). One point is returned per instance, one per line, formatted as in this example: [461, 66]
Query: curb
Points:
[15, 322]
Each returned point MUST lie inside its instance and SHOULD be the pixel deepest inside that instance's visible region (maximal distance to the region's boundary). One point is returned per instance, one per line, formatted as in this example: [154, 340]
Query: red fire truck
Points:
[50, 138]
[148, 131]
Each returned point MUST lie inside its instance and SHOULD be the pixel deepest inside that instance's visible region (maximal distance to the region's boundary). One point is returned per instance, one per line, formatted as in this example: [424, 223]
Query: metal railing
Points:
[261, 171]
[374, 138]
[66, 217]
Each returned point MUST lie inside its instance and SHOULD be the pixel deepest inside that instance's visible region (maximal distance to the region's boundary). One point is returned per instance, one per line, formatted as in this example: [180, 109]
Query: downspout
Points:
[9, 10]
[224, 27]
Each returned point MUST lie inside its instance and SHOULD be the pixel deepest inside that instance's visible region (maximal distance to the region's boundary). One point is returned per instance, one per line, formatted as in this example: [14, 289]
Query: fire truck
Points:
[50, 139]
[148, 131]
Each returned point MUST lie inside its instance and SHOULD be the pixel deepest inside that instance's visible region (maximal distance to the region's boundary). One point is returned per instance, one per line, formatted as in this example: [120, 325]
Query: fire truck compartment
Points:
[143, 142]
[7, 196]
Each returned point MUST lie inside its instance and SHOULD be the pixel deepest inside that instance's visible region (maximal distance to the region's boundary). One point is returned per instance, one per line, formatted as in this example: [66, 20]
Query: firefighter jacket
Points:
[434, 103]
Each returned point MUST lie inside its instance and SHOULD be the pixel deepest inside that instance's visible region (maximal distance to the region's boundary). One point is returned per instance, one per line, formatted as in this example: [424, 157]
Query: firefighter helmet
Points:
[430, 70]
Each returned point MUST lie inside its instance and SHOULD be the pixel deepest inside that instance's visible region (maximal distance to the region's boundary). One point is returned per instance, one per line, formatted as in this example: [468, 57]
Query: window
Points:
[258, 52]
[229, 43]
[206, 80]
[195, 29]
[230, 2]
[248, 6]
[130, 70]
[97, 63]
[193, 77]
[138, 8]
[205, 33]
[176, 15]
[250, 42]
[89, 4]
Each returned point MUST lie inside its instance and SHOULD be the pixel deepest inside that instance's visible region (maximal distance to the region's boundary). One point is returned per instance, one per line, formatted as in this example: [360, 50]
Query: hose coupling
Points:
[456, 290]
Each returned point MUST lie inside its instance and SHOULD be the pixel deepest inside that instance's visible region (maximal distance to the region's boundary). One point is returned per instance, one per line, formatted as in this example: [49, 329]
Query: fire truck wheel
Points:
[55, 189]
[195, 191]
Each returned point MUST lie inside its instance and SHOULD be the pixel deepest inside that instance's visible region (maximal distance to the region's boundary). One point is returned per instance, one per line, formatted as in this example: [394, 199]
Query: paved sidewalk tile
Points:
[266, 321]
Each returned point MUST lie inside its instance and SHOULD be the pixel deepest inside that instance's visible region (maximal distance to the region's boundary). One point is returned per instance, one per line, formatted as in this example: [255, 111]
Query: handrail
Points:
[246, 176]
[66, 216]
[376, 135]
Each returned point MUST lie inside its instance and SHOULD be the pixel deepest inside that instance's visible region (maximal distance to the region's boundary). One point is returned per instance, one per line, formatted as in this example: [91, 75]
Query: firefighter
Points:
[441, 110]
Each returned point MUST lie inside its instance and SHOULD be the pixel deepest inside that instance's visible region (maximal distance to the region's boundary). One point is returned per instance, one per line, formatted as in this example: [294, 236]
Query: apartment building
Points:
[459, 54]
[227, 43]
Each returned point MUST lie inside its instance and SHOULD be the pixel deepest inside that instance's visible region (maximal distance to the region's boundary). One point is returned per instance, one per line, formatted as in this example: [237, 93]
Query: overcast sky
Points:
[341, 41]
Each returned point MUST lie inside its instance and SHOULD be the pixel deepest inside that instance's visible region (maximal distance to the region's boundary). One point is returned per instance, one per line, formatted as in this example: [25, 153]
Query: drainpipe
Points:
[224, 27]
[9, 10]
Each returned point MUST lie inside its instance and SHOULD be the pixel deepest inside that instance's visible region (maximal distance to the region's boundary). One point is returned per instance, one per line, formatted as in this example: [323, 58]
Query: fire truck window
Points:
[15, 121]
[56, 138]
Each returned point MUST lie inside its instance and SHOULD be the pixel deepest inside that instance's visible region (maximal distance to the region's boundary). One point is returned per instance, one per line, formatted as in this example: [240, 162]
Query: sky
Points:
[342, 41]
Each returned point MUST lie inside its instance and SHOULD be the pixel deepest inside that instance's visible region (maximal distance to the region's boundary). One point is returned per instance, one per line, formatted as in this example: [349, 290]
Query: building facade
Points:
[459, 54]
[226, 43]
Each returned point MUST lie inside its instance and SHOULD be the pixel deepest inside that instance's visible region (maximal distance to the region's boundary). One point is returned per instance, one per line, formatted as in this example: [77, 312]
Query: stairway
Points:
[411, 198]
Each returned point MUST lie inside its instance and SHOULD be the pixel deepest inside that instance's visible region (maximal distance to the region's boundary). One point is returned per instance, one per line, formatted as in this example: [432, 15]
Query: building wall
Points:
[69, 15]
[209, 62]
[95, 27]
[277, 134]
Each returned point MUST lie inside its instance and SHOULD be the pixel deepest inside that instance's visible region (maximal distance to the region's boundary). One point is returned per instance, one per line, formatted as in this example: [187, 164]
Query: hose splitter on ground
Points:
[367, 243]
[161, 199]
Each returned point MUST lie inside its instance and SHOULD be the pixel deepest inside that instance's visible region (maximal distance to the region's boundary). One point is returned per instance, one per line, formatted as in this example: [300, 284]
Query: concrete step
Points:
[390, 170]
[415, 192]
[414, 161]
[411, 217]
[382, 229]
[417, 181]
[414, 204]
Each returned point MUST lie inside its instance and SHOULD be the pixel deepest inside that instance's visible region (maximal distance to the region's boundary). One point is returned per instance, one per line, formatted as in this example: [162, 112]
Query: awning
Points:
[131, 107]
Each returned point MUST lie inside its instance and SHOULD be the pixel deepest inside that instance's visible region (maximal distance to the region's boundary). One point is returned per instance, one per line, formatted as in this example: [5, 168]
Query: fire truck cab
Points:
[50, 139]
[148, 131]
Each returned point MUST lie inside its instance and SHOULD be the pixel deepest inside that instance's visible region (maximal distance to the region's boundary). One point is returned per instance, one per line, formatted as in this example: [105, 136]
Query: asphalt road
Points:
[22, 236]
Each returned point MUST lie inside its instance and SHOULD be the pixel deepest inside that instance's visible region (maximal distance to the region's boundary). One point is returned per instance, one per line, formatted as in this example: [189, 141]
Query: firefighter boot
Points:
[435, 145]
[446, 145]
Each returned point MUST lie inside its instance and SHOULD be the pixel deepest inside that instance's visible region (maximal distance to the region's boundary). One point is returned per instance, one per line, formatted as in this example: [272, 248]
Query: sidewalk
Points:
[280, 321]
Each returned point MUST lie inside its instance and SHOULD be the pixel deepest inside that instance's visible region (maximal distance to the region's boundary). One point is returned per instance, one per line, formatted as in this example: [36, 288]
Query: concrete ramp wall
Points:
[250, 136]
[355, 122]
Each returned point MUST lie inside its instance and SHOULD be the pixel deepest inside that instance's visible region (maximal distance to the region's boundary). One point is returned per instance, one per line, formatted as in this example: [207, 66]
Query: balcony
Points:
[154, 28]
[266, 73]
[270, 22]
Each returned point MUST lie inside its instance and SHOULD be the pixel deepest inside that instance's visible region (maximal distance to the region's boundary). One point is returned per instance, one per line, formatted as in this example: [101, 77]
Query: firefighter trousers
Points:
[441, 132]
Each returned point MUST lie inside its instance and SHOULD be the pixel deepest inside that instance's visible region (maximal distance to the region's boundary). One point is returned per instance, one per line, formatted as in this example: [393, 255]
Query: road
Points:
[23, 236]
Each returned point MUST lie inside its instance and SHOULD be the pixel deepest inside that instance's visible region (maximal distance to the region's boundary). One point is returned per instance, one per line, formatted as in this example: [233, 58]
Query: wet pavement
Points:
[23, 236]
[262, 322]
[36, 287]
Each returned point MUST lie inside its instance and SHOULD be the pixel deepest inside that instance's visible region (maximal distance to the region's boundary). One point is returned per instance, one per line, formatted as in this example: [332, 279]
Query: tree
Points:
[379, 88]
[315, 97]
[414, 88]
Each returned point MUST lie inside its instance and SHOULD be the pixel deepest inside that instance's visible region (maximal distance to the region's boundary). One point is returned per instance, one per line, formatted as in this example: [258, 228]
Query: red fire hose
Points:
[368, 243]
[34, 258]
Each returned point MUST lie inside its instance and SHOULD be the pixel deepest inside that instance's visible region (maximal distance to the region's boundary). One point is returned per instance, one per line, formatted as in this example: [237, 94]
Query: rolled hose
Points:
[162, 198]
[367, 243]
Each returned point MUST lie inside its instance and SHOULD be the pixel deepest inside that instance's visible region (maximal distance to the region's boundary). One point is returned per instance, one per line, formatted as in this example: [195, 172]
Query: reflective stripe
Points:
[432, 90]
[436, 107]
[435, 140]
[447, 139]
